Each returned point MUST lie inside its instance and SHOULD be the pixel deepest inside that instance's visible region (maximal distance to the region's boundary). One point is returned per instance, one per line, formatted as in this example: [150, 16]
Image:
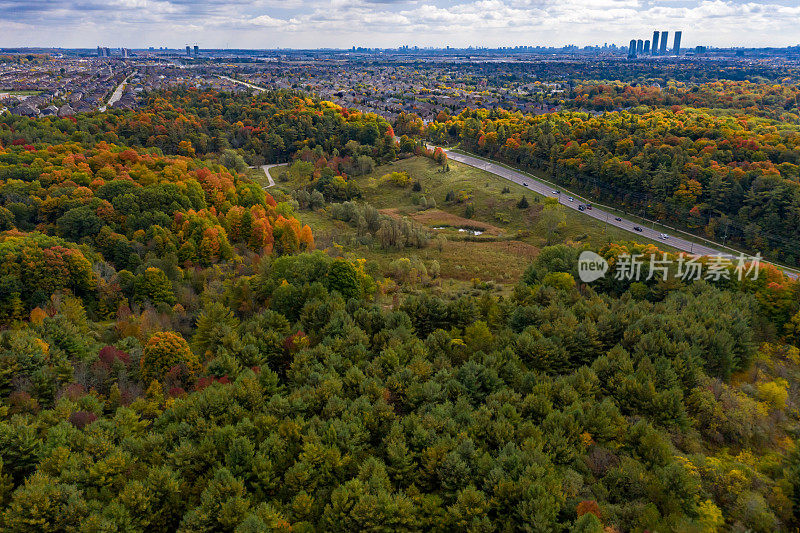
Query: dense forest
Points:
[267, 128]
[729, 178]
[779, 102]
[176, 356]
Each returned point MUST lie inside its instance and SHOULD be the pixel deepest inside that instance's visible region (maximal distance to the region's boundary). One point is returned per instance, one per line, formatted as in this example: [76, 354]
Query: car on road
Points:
[582, 207]
[618, 219]
[524, 184]
[664, 236]
[570, 198]
[556, 192]
[637, 228]
[589, 207]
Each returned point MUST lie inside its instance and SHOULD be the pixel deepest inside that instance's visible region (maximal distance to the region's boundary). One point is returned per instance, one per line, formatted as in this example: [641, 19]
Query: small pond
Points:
[471, 231]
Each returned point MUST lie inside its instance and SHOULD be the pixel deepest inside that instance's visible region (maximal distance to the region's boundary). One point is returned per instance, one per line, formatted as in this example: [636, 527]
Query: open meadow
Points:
[488, 235]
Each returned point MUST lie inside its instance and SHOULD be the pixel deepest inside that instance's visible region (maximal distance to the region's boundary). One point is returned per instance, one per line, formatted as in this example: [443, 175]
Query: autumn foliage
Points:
[164, 351]
[732, 178]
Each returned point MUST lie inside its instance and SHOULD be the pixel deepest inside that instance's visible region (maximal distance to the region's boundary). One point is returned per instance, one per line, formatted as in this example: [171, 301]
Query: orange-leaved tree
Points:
[165, 350]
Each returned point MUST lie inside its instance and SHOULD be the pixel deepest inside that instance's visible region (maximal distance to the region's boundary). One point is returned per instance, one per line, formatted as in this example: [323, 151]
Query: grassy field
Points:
[485, 192]
[510, 237]
[257, 175]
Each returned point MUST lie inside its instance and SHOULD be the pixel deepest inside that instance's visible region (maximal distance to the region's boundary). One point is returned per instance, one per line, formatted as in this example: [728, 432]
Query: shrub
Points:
[398, 179]
[559, 280]
[774, 393]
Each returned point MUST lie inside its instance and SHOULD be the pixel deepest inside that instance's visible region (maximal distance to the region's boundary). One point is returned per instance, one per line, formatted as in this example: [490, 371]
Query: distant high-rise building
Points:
[632, 49]
[188, 50]
[99, 52]
[639, 46]
[664, 37]
[647, 46]
[196, 50]
[677, 48]
[655, 43]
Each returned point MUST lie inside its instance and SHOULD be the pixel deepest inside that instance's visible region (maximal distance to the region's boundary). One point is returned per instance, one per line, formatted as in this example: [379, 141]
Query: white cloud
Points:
[266, 21]
[309, 23]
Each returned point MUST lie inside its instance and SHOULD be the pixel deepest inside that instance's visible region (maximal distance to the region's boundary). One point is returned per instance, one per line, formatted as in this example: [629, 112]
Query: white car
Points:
[664, 236]
[570, 198]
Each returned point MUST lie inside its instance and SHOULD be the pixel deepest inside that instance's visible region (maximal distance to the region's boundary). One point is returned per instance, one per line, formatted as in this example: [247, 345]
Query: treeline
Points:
[775, 101]
[304, 404]
[732, 179]
[266, 128]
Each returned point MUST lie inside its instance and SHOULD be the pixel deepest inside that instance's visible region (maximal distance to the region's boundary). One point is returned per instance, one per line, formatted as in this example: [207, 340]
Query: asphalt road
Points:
[266, 168]
[604, 216]
[116, 95]
[256, 87]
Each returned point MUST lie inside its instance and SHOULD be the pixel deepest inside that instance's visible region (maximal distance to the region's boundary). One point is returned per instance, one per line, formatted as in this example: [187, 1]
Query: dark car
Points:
[637, 228]
[582, 207]
[618, 219]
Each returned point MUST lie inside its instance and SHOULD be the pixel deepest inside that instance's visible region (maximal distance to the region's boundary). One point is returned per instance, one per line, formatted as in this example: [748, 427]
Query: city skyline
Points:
[391, 23]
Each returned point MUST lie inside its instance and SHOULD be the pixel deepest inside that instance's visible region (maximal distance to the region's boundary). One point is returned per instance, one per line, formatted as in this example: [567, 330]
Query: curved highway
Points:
[546, 189]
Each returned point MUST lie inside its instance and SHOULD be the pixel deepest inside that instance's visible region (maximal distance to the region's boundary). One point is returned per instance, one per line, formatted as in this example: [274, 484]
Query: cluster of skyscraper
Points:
[638, 47]
[104, 51]
[189, 50]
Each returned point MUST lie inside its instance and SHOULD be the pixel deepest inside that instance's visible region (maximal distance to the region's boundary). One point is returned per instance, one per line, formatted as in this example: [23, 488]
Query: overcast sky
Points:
[391, 23]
